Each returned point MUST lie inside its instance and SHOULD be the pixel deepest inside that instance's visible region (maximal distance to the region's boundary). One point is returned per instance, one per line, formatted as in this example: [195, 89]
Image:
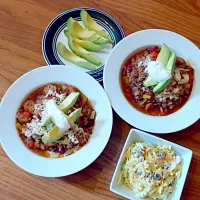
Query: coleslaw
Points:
[150, 170]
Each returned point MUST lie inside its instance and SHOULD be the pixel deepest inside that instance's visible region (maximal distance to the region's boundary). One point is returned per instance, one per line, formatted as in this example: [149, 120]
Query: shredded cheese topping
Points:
[34, 127]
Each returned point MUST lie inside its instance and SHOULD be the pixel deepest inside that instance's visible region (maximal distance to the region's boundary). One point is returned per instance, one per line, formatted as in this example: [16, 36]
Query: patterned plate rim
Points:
[69, 11]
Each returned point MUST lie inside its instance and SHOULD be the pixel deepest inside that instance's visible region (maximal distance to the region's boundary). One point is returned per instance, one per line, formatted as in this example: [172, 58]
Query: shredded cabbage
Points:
[150, 170]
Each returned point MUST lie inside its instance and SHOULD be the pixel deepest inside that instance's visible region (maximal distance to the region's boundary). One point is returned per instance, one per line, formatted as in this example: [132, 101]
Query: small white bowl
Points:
[139, 136]
[54, 167]
[184, 48]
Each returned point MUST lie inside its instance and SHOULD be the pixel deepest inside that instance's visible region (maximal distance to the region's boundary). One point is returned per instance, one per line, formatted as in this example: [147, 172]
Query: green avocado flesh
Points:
[55, 133]
[81, 33]
[149, 82]
[64, 106]
[91, 25]
[79, 51]
[69, 102]
[163, 57]
[74, 116]
[164, 54]
[87, 45]
[72, 58]
[170, 66]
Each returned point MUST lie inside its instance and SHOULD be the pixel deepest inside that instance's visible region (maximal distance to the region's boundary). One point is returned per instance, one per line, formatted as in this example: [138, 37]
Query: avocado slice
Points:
[87, 45]
[91, 25]
[74, 116]
[163, 57]
[78, 50]
[55, 133]
[77, 30]
[170, 66]
[72, 58]
[46, 120]
[149, 82]
[164, 54]
[68, 103]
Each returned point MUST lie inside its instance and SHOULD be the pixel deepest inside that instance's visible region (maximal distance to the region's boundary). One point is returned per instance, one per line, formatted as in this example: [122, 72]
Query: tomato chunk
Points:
[154, 55]
[27, 114]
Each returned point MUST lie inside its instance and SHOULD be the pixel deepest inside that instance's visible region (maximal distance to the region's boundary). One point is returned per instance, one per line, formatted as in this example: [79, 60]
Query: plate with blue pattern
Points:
[54, 33]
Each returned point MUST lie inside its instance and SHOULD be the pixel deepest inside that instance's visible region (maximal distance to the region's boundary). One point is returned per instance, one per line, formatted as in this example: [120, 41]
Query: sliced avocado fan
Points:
[81, 33]
[91, 25]
[170, 67]
[65, 106]
[163, 57]
[79, 51]
[55, 133]
[87, 45]
[72, 58]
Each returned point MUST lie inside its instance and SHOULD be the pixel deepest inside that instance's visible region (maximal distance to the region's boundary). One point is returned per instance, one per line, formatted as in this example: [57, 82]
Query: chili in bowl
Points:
[141, 93]
[151, 78]
[39, 121]
[55, 121]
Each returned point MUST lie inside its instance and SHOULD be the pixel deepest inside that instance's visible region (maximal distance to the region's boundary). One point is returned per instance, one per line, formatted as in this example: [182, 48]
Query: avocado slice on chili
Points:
[55, 133]
[163, 57]
[170, 66]
[68, 103]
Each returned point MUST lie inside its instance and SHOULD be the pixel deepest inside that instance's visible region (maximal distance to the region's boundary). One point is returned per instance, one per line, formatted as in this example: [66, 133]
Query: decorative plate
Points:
[55, 33]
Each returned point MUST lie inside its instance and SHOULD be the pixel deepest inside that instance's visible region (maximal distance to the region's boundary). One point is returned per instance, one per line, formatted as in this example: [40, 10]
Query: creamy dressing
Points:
[57, 116]
[157, 71]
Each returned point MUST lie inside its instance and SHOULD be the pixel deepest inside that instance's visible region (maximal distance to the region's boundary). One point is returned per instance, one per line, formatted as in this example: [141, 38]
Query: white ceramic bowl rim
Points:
[183, 47]
[54, 167]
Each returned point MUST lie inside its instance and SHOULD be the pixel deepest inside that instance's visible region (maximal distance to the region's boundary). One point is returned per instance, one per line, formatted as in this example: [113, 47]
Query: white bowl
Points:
[139, 136]
[184, 48]
[54, 167]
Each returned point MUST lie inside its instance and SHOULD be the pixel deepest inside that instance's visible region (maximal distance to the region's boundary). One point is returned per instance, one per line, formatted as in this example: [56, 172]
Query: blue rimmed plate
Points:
[55, 33]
